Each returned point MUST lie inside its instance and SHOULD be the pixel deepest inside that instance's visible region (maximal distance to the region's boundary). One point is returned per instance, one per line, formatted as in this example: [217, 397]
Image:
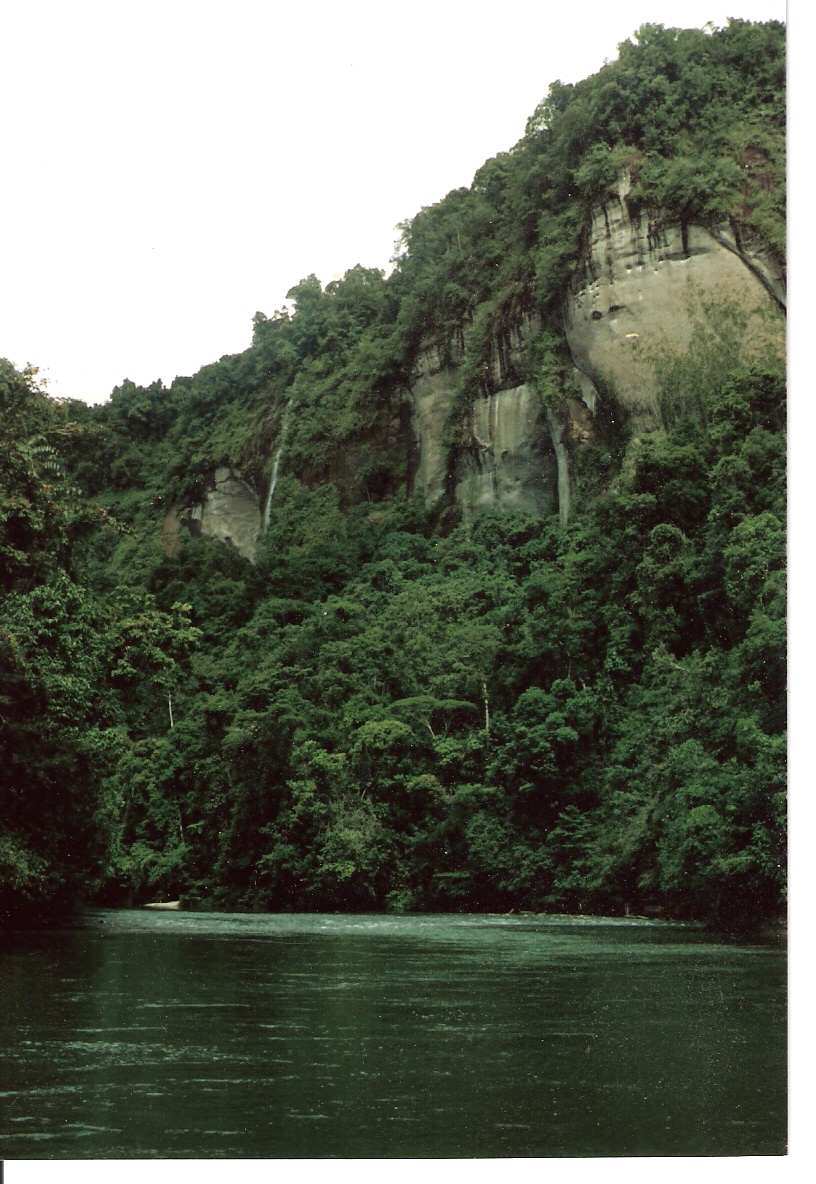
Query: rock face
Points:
[645, 286]
[504, 454]
[228, 512]
[644, 289]
[503, 449]
[432, 394]
[508, 460]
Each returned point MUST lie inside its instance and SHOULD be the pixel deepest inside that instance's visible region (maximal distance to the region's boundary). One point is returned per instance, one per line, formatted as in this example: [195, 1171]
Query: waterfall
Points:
[273, 480]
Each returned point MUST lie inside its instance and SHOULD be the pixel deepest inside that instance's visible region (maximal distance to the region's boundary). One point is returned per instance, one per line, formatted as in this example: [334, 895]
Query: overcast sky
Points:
[170, 168]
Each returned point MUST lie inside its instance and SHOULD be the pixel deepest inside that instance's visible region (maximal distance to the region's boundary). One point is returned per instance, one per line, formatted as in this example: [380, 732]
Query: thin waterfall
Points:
[273, 480]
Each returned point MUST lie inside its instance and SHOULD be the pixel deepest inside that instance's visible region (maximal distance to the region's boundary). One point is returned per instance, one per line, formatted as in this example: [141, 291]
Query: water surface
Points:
[205, 1035]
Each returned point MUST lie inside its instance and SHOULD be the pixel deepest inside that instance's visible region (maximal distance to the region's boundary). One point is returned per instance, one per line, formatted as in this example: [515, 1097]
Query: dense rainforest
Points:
[392, 704]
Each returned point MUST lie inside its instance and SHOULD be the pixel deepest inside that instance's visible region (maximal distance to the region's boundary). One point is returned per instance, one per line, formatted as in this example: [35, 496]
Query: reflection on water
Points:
[205, 1035]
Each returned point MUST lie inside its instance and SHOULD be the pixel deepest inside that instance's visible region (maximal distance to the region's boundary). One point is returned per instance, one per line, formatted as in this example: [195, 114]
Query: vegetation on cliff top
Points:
[381, 713]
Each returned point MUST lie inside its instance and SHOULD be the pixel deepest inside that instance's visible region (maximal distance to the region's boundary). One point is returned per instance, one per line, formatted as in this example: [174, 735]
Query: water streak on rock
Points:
[273, 480]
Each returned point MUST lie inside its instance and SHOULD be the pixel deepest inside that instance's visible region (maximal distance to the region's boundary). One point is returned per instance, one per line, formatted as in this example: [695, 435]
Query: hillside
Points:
[461, 588]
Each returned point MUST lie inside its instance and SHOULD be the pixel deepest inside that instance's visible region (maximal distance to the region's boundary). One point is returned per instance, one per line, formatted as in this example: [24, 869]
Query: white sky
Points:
[170, 168]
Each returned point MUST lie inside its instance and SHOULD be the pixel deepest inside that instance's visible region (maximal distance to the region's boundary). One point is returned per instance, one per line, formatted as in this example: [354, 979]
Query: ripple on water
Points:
[441, 1036]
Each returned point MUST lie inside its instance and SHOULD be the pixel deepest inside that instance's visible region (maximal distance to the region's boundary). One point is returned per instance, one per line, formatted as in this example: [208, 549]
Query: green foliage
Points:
[515, 715]
[691, 380]
[390, 710]
[57, 718]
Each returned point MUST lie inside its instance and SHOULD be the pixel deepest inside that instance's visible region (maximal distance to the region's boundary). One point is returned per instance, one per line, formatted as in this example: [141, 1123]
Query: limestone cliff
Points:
[506, 456]
[642, 289]
[644, 285]
[499, 452]
[432, 393]
[228, 511]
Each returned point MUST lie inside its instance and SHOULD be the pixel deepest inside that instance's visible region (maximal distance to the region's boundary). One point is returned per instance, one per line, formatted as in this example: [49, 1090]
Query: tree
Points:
[58, 740]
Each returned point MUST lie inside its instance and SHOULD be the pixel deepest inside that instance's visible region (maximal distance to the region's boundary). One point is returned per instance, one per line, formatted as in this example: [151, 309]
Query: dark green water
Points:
[272, 1037]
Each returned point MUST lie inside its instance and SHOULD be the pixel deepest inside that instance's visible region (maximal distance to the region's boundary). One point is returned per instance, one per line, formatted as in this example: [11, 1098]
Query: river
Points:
[164, 1035]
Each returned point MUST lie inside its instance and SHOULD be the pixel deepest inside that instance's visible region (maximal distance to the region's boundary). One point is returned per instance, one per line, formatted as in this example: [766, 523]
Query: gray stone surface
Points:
[510, 462]
[642, 289]
[229, 512]
[432, 395]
